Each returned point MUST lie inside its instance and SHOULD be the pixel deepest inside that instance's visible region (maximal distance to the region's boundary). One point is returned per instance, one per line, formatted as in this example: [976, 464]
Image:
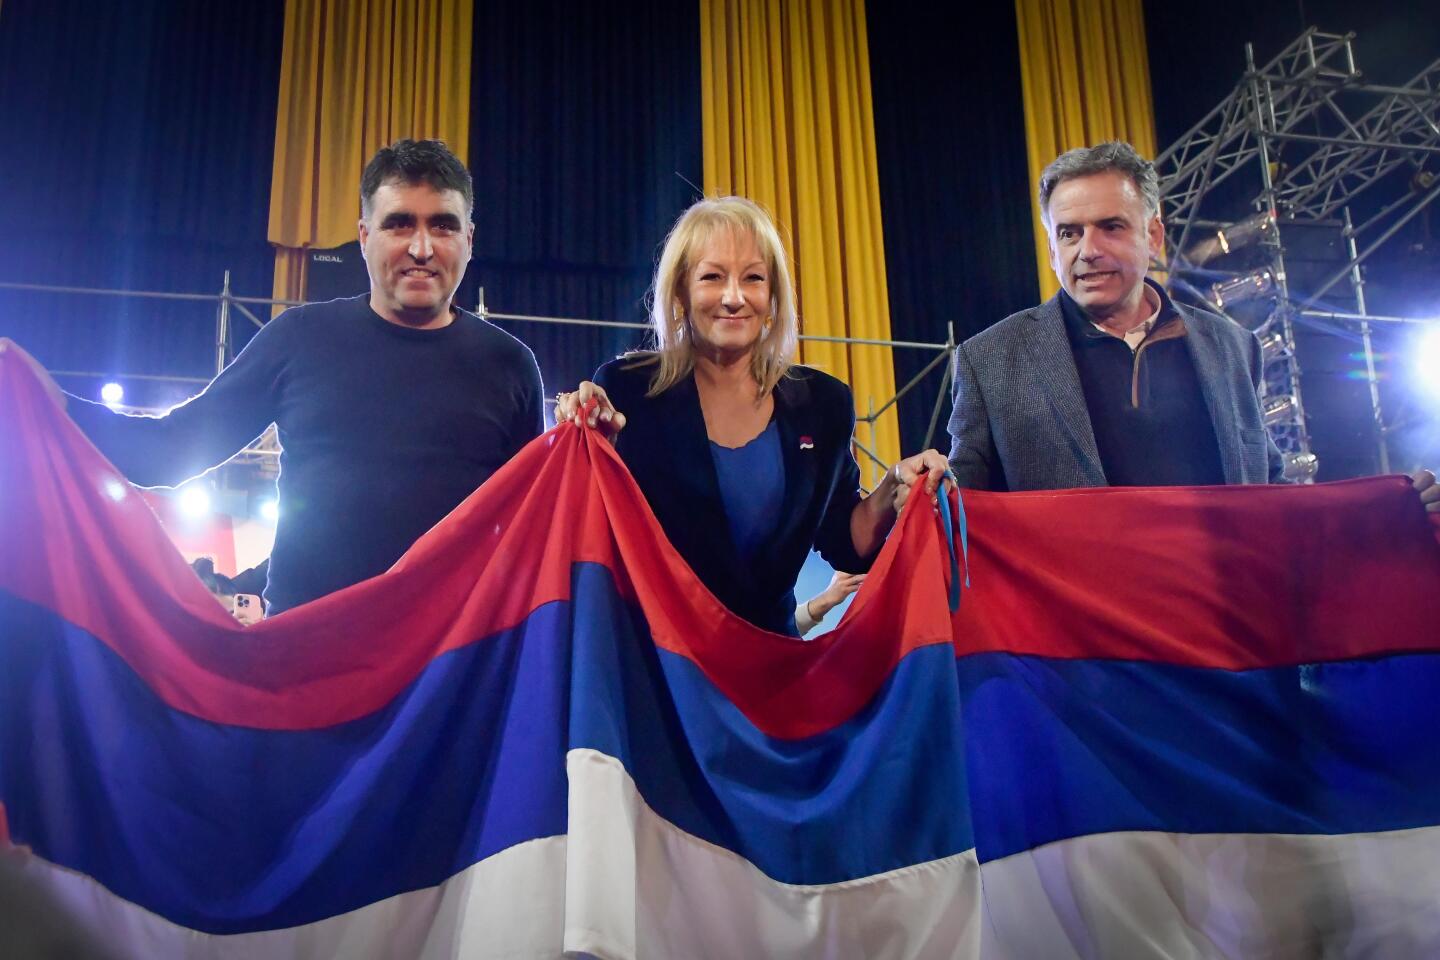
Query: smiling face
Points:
[1101, 242]
[416, 241]
[726, 293]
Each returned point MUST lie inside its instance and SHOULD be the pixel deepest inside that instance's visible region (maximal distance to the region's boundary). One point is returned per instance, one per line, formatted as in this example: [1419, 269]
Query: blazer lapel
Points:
[690, 446]
[1210, 371]
[1053, 360]
[799, 432]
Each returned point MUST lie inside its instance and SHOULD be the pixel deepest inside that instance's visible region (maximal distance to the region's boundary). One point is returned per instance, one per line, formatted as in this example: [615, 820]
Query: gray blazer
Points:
[1020, 421]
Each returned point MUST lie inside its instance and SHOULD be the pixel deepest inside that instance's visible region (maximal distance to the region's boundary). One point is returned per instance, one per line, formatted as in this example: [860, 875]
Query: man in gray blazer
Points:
[1110, 382]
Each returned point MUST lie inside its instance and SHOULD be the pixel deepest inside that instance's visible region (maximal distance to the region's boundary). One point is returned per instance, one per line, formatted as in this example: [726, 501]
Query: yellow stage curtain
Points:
[356, 75]
[1085, 79]
[786, 110]
[290, 272]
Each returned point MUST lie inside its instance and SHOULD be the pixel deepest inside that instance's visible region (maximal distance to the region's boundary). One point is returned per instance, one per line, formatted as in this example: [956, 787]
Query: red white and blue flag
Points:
[1168, 723]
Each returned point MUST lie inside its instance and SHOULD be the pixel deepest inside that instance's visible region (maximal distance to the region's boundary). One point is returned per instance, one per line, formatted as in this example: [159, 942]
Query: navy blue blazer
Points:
[665, 445]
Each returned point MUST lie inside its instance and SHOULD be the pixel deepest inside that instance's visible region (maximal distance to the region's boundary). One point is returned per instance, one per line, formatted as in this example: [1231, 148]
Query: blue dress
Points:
[752, 487]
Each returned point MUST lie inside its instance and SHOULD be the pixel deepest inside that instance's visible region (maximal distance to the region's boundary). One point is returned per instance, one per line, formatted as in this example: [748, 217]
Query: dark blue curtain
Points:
[954, 190]
[136, 142]
[585, 129]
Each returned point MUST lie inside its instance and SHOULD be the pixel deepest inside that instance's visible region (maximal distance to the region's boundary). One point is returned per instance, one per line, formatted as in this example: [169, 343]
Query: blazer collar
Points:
[800, 431]
[690, 451]
[1208, 355]
[1053, 360]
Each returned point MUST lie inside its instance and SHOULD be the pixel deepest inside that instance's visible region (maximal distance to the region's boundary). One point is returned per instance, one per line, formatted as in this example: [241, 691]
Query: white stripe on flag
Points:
[639, 887]
[636, 880]
[628, 884]
[508, 905]
[1270, 896]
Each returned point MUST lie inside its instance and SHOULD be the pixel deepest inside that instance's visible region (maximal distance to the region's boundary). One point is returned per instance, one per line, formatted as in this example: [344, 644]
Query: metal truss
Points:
[1308, 134]
[264, 452]
[1299, 105]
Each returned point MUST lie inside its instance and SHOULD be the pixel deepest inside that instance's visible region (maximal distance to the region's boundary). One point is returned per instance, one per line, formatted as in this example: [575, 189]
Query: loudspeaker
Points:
[337, 272]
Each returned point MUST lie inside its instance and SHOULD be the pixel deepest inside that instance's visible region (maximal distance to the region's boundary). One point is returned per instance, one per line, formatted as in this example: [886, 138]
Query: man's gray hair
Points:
[1114, 155]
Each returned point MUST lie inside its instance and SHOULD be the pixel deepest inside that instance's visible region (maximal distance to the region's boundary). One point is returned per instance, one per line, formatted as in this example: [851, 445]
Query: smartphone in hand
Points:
[248, 608]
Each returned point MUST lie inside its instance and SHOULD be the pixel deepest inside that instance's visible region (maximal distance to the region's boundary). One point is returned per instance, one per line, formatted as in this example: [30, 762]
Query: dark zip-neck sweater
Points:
[1147, 409]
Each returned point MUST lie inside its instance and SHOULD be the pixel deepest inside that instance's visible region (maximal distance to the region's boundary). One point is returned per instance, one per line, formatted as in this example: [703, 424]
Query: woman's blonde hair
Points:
[674, 346]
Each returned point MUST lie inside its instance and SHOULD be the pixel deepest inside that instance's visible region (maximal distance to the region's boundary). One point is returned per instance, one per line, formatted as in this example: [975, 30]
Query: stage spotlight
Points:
[1272, 345]
[1427, 359]
[1278, 409]
[1227, 293]
[1247, 232]
[112, 393]
[270, 510]
[1301, 467]
[195, 500]
[1237, 236]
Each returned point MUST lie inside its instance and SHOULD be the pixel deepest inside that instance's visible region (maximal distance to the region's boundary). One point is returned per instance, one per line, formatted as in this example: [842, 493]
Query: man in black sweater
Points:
[391, 407]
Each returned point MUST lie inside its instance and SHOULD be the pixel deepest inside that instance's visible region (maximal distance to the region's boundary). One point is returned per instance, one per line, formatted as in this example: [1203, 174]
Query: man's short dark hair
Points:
[413, 162]
[1116, 155]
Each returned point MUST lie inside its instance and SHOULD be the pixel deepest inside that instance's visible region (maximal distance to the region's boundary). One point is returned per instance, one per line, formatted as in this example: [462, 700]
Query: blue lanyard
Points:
[944, 499]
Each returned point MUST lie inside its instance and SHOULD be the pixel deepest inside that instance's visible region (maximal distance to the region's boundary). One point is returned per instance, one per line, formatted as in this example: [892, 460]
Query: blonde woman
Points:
[744, 456]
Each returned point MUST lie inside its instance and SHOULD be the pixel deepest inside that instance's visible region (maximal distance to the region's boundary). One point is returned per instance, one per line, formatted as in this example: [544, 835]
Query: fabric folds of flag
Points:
[1192, 722]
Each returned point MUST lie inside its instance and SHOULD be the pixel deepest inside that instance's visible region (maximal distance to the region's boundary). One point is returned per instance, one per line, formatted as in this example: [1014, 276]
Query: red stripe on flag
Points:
[1229, 577]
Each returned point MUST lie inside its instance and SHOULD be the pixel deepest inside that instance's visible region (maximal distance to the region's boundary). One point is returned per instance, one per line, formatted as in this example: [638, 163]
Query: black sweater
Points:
[385, 429]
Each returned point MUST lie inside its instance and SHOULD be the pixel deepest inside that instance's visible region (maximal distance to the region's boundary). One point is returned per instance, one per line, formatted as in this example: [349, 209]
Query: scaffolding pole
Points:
[267, 446]
[1309, 154]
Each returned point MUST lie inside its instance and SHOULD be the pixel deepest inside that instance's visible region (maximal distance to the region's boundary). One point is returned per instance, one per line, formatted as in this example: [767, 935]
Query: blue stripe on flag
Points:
[229, 829]
[843, 804]
[1064, 748]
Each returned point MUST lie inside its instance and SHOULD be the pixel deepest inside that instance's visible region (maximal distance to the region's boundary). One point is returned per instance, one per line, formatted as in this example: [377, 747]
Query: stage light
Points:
[1237, 236]
[1427, 359]
[112, 393]
[270, 510]
[1301, 467]
[1279, 409]
[1228, 293]
[1247, 232]
[195, 500]
[1272, 345]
